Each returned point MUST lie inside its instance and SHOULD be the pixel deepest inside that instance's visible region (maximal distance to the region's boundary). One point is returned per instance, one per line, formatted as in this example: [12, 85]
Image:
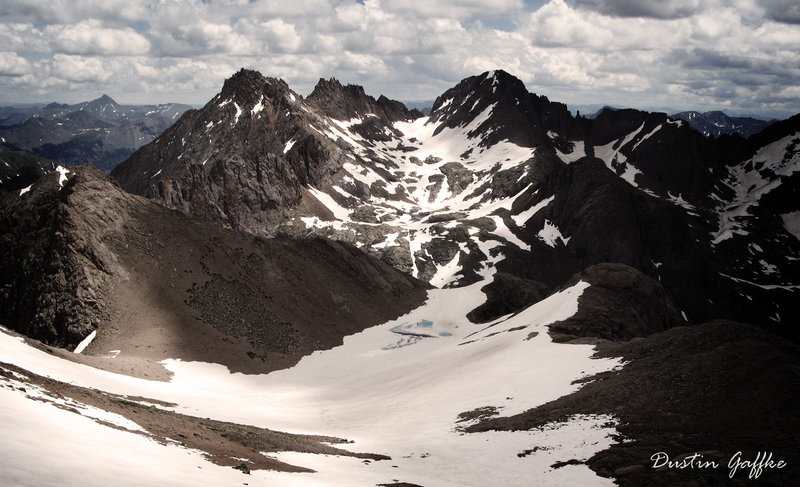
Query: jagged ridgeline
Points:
[495, 177]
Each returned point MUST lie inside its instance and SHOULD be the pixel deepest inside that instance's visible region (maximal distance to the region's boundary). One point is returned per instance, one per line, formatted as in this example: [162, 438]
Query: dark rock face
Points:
[605, 220]
[350, 101]
[90, 256]
[245, 160]
[55, 265]
[516, 115]
[507, 294]
[621, 303]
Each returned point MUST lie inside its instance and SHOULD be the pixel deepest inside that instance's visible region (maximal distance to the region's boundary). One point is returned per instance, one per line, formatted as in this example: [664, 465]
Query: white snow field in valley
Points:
[395, 389]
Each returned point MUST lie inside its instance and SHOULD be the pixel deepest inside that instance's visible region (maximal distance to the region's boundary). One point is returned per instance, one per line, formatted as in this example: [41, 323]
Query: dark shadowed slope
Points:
[81, 255]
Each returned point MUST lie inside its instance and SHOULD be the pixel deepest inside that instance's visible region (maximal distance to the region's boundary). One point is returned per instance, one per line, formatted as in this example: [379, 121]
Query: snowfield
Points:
[390, 393]
[419, 186]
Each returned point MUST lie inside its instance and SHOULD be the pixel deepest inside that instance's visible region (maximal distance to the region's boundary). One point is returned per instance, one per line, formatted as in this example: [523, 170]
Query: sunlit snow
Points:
[85, 342]
[550, 234]
[62, 175]
[402, 401]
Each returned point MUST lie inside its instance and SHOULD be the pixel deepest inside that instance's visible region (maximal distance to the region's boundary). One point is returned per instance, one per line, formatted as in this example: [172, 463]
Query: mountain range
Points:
[100, 132]
[494, 175]
[716, 123]
[435, 285]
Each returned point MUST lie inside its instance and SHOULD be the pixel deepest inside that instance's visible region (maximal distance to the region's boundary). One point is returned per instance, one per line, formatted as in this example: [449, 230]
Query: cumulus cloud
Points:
[201, 37]
[12, 64]
[739, 54]
[90, 37]
[452, 8]
[70, 11]
[80, 69]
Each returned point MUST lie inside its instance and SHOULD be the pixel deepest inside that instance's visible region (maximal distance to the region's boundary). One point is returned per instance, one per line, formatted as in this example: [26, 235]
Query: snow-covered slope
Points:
[406, 396]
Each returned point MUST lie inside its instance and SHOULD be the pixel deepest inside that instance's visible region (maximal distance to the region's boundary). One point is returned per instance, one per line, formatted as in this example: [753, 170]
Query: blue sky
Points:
[740, 56]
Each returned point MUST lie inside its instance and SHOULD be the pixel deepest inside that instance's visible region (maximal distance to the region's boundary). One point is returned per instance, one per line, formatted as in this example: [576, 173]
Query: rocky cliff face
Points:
[56, 265]
[346, 102]
[244, 161]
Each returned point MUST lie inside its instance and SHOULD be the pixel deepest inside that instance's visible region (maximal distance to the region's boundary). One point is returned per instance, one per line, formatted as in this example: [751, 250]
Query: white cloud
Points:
[282, 36]
[683, 53]
[71, 11]
[23, 39]
[13, 65]
[90, 37]
[80, 69]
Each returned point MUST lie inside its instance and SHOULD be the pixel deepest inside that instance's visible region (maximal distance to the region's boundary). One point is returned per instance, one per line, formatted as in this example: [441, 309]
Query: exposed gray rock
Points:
[56, 265]
[458, 176]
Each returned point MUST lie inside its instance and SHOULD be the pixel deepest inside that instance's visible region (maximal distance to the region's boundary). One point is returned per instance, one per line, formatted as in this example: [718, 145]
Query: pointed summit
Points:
[243, 160]
[502, 108]
[105, 99]
[99, 105]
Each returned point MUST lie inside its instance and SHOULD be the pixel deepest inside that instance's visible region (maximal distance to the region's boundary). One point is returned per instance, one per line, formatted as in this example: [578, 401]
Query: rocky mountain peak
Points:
[247, 86]
[345, 102]
[499, 106]
[242, 160]
[489, 87]
[105, 100]
[103, 106]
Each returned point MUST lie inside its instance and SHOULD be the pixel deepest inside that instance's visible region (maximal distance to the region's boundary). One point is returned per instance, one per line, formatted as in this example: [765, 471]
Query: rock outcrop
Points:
[622, 303]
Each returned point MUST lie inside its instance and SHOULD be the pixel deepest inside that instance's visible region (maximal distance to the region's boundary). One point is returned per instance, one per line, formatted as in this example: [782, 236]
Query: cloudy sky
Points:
[740, 56]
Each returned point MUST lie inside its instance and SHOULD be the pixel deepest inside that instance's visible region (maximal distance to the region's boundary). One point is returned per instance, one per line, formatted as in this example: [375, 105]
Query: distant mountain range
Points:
[716, 123]
[100, 132]
[711, 124]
